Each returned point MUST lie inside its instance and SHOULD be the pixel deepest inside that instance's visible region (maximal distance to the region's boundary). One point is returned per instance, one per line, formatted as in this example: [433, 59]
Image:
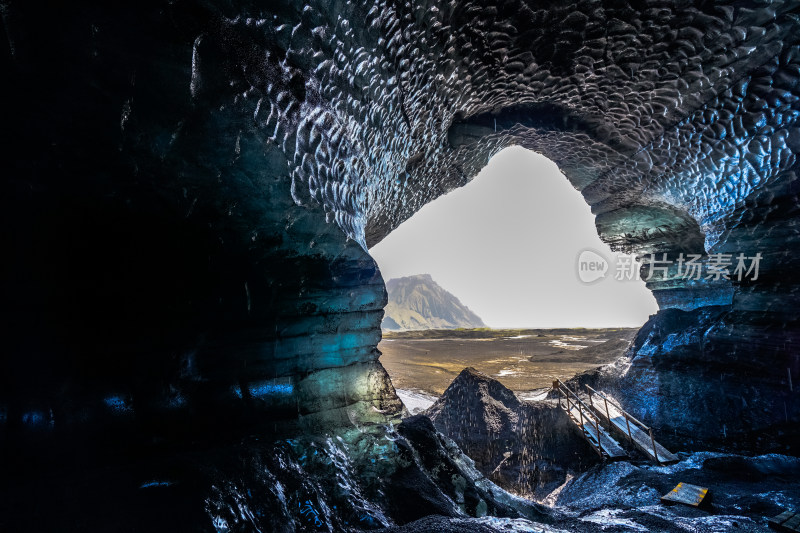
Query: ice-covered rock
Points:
[528, 448]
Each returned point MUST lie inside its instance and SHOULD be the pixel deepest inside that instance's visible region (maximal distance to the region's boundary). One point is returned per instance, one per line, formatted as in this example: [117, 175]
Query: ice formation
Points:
[190, 187]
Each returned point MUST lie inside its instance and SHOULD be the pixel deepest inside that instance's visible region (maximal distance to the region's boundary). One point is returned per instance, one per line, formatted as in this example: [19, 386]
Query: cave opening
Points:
[503, 259]
[508, 245]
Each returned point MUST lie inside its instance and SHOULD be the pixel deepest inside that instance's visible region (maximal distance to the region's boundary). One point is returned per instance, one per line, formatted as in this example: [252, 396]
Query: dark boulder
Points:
[523, 446]
[429, 461]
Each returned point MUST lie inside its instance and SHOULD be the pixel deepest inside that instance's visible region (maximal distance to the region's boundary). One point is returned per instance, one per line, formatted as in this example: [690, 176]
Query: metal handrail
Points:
[577, 398]
[594, 446]
[618, 406]
[628, 419]
[566, 391]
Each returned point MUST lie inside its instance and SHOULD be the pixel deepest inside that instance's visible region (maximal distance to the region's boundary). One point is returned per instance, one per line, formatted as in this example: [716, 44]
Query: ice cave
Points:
[190, 312]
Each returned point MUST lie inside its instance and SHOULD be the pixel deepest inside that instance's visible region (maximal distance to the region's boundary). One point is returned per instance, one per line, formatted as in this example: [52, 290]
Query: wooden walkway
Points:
[686, 494]
[601, 441]
[627, 427]
[603, 412]
[786, 521]
[588, 424]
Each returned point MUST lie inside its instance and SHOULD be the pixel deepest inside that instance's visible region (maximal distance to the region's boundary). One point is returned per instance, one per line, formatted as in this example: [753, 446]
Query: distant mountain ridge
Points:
[418, 302]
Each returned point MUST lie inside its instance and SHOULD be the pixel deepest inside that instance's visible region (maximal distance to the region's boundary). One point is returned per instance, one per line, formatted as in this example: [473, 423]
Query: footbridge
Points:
[602, 421]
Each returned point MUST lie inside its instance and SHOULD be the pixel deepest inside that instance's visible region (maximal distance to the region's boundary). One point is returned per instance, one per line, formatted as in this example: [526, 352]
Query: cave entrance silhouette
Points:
[507, 245]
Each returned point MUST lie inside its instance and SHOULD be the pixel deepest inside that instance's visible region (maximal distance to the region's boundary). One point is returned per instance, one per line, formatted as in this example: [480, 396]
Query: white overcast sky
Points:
[506, 245]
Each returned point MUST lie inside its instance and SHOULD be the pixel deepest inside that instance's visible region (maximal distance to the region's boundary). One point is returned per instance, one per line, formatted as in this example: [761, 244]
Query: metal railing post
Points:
[628, 423]
[655, 452]
[597, 427]
[581, 418]
[596, 420]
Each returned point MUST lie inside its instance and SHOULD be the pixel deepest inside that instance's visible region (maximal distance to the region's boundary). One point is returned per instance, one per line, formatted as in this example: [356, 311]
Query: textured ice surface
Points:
[241, 161]
[628, 495]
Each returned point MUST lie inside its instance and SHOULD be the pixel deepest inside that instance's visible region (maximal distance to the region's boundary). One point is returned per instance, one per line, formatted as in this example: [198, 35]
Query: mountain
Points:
[418, 302]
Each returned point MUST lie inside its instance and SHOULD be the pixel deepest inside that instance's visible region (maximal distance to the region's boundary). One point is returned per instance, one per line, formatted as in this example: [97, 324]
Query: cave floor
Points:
[745, 492]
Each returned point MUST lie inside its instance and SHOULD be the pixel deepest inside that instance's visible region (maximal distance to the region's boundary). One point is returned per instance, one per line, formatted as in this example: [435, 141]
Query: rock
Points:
[441, 524]
[684, 375]
[430, 465]
[528, 448]
[614, 491]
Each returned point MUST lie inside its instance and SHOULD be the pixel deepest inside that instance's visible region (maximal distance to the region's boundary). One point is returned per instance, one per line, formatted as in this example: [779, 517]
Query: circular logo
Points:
[591, 266]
